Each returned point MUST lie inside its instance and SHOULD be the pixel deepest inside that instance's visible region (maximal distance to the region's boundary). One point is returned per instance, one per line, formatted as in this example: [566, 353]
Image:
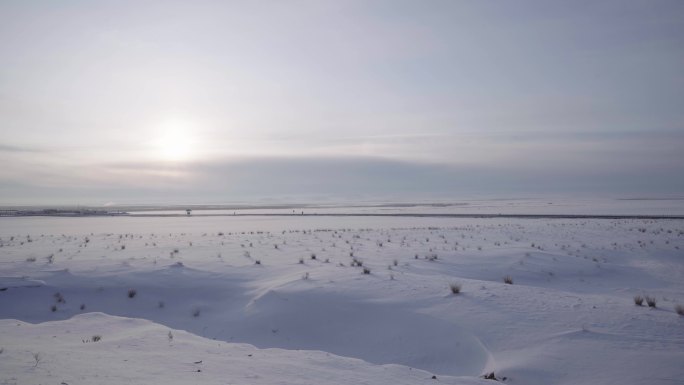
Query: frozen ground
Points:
[258, 300]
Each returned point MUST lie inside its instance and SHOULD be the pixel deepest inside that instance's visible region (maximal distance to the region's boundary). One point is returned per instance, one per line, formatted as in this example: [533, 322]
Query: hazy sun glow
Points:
[174, 141]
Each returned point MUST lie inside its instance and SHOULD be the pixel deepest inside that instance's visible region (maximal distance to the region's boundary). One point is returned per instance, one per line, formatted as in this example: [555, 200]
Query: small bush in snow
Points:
[638, 300]
[132, 293]
[651, 301]
[508, 280]
[96, 338]
[257, 262]
[455, 288]
[679, 309]
[491, 376]
[53, 308]
[196, 313]
[366, 270]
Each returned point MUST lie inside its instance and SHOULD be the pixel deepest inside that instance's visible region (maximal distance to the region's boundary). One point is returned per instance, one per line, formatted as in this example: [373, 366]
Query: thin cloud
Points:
[10, 148]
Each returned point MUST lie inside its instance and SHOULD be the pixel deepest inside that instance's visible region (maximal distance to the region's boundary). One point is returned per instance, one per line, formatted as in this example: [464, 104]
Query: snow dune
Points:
[294, 315]
[141, 352]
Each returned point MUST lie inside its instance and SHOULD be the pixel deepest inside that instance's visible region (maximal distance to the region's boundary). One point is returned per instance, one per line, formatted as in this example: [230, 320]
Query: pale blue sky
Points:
[219, 101]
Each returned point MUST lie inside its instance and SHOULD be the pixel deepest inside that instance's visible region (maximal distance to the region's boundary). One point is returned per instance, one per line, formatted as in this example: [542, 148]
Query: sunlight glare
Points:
[175, 141]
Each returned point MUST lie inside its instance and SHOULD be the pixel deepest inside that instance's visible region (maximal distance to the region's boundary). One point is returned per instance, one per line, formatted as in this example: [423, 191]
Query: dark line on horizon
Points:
[418, 215]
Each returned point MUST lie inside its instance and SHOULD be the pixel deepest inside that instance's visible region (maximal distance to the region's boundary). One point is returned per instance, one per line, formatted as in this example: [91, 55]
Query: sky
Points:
[107, 102]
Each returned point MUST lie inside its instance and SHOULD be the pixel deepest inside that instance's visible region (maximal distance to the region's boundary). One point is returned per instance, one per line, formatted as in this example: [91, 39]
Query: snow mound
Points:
[141, 352]
[287, 315]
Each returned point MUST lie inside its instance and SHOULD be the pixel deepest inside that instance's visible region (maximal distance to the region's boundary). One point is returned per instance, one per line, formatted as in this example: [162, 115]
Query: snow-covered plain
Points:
[339, 300]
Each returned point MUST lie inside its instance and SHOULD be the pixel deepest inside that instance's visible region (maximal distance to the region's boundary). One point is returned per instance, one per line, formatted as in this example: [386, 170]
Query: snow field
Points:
[568, 317]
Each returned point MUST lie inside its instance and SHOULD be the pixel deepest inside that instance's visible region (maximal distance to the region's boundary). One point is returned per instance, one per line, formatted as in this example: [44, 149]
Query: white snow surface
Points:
[266, 300]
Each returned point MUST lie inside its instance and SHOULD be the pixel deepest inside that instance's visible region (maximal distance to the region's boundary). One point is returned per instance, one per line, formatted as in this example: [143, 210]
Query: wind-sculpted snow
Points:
[375, 296]
[134, 351]
[375, 332]
[281, 318]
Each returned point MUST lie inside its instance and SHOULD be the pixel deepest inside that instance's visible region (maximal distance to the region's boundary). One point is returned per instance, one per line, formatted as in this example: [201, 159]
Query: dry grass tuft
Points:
[455, 288]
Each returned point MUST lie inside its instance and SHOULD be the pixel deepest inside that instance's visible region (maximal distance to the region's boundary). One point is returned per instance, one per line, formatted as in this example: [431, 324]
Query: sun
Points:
[174, 141]
[174, 146]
